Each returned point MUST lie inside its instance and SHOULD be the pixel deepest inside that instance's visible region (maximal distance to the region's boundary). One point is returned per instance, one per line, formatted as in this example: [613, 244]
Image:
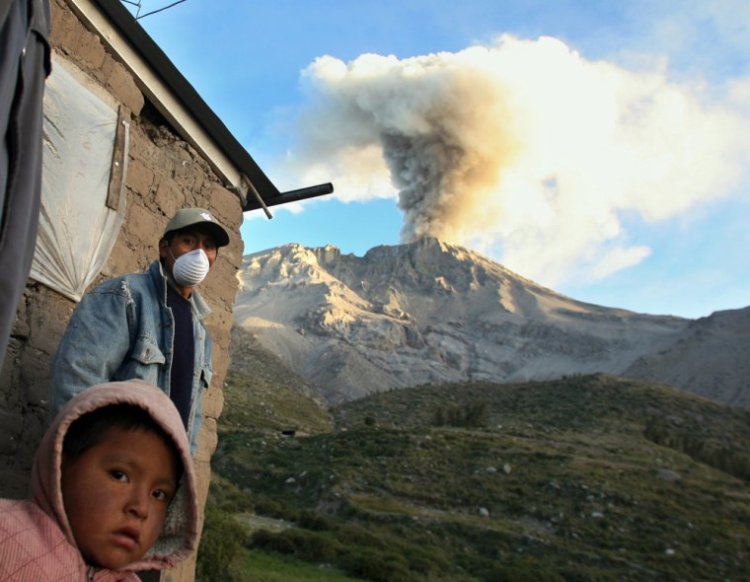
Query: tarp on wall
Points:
[77, 229]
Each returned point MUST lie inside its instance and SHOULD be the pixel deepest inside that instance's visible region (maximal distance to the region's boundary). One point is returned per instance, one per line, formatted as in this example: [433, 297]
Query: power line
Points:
[139, 4]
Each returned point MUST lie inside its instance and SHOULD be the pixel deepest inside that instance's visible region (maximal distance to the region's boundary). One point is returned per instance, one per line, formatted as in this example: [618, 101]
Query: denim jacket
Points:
[123, 329]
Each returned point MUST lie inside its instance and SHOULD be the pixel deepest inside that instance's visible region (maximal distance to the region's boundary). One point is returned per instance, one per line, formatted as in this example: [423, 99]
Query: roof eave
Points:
[179, 102]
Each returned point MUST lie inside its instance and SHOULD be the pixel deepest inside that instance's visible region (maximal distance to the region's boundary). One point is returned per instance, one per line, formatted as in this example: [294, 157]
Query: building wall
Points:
[164, 174]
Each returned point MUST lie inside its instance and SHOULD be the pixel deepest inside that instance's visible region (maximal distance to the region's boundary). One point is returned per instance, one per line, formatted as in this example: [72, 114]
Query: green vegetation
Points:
[272, 567]
[262, 395]
[586, 478]
[467, 416]
[221, 547]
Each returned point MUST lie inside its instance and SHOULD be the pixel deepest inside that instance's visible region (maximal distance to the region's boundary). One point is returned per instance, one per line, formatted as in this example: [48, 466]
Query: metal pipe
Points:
[292, 196]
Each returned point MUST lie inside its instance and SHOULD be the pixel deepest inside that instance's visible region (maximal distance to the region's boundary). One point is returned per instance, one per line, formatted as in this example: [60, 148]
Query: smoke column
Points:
[523, 150]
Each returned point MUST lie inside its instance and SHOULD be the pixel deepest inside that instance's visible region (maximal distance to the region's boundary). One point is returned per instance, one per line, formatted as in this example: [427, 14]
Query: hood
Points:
[179, 535]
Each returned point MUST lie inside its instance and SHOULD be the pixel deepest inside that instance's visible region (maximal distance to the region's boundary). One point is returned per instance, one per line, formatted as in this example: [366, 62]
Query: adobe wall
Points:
[164, 174]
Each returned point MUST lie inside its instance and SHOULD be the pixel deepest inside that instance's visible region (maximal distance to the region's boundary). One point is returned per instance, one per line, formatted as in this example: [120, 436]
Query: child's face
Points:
[116, 495]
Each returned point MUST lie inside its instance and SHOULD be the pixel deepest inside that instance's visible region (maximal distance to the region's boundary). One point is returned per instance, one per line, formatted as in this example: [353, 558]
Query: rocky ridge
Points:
[430, 312]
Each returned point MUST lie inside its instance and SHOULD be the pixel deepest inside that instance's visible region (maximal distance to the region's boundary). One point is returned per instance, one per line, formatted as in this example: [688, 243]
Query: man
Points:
[148, 325]
[24, 65]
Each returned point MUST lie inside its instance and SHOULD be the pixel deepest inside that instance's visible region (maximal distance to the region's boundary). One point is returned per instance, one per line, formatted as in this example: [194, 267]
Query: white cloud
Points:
[523, 149]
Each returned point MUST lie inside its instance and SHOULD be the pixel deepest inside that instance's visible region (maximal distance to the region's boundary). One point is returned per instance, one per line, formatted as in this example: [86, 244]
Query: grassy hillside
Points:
[588, 406]
[587, 478]
[263, 395]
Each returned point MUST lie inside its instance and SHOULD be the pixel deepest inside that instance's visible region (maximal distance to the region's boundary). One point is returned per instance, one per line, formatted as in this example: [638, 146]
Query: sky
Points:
[599, 148]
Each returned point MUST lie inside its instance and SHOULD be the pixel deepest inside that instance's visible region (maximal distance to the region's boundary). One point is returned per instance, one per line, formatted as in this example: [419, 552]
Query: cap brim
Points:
[221, 236]
[217, 231]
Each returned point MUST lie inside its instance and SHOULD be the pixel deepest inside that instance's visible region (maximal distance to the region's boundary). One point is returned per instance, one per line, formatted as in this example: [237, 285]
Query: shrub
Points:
[221, 544]
[374, 565]
[314, 521]
[725, 457]
[355, 534]
[466, 416]
[427, 561]
[227, 497]
[266, 540]
[272, 508]
[309, 546]
[317, 548]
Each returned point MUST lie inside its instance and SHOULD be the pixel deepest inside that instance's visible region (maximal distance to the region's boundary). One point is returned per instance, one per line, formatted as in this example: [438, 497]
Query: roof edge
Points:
[181, 89]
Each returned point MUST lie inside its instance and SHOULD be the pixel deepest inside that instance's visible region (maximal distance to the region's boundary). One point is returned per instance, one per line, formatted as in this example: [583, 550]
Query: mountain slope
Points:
[710, 358]
[587, 478]
[262, 394]
[429, 312]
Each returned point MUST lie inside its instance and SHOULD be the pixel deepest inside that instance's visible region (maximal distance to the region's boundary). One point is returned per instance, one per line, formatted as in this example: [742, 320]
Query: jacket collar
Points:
[200, 307]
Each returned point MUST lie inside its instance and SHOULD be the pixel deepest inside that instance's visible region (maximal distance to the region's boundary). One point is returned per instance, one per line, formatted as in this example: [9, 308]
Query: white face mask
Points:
[191, 268]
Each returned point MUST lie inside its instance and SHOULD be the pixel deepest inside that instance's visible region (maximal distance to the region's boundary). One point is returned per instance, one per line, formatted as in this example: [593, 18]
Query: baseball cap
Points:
[191, 216]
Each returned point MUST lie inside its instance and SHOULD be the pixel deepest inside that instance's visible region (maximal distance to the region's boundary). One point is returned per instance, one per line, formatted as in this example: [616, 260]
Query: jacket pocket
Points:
[147, 352]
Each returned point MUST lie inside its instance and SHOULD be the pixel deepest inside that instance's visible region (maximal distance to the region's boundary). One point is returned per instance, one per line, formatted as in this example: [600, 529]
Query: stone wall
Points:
[164, 174]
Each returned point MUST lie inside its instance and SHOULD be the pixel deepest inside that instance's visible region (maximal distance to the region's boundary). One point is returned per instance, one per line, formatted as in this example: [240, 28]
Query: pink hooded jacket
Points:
[36, 542]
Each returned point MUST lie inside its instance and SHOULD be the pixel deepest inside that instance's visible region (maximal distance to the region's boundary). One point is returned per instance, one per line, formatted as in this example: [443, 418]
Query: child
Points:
[113, 491]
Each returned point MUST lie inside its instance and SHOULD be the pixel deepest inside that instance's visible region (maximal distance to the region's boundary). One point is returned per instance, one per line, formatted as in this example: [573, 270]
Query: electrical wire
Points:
[139, 5]
[159, 9]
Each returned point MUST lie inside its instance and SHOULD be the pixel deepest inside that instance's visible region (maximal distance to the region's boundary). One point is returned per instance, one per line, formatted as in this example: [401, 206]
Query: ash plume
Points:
[523, 150]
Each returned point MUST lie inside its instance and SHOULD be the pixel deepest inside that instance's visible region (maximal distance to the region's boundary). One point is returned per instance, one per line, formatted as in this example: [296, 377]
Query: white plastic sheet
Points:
[76, 228]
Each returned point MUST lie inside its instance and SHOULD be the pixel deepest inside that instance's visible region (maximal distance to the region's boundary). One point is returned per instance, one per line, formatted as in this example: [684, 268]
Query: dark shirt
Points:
[183, 358]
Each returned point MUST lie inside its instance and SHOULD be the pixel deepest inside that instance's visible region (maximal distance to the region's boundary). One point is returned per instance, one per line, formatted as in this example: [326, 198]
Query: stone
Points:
[351, 309]
[668, 475]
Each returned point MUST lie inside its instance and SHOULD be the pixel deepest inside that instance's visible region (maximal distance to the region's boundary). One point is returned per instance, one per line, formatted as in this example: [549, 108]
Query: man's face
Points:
[186, 240]
[116, 495]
